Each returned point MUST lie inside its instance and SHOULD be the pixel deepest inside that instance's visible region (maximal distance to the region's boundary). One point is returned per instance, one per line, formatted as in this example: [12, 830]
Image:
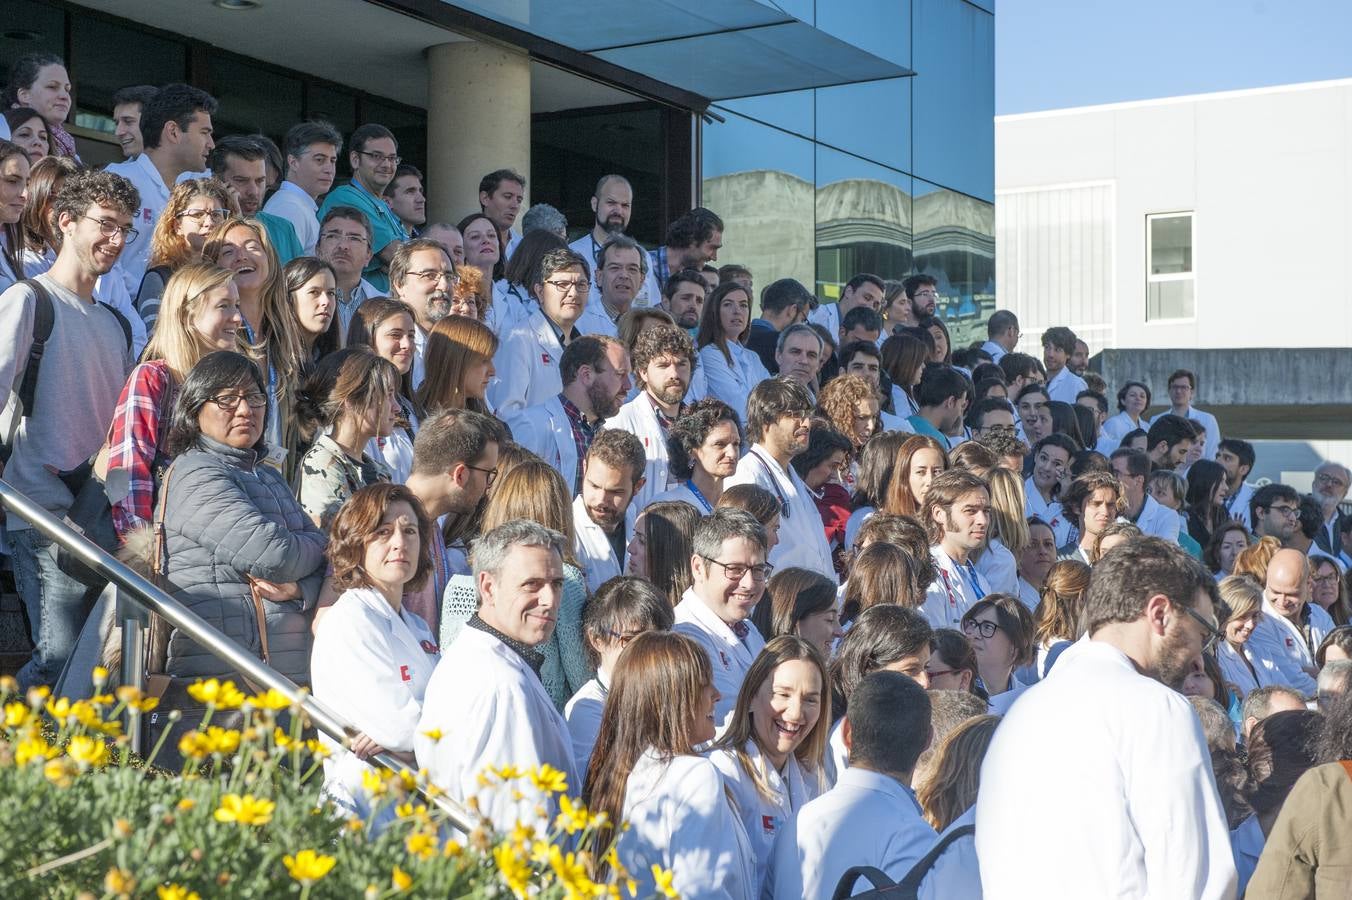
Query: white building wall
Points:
[1267, 174]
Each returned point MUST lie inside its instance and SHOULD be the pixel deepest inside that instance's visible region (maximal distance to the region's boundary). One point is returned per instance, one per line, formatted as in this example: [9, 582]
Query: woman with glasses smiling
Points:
[195, 207]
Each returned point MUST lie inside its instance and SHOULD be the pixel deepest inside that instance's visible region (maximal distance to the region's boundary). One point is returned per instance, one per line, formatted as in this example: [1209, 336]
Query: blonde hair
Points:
[453, 345]
[175, 340]
[1242, 596]
[167, 246]
[1058, 613]
[536, 491]
[1007, 509]
[1253, 559]
[955, 775]
[472, 283]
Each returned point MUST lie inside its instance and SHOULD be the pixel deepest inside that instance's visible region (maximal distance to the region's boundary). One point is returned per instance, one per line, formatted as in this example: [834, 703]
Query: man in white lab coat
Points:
[1291, 628]
[870, 817]
[527, 361]
[612, 206]
[1062, 384]
[595, 373]
[1132, 468]
[957, 515]
[664, 363]
[485, 706]
[863, 289]
[779, 416]
[1182, 387]
[1237, 457]
[1169, 440]
[1136, 813]
[729, 572]
[621, 268]
[613, 472]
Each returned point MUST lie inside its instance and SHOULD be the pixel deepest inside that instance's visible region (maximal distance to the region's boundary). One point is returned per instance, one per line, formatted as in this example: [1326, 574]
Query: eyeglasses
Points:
[1285, 510]
[433, 276]
[490, 474]
[565, 286]
[622, 637]
[230, 402]
[108, 228]
[1330, 578]
[1213, 634]
[737, 571]
[343, 236]
[1324, 478]
[985, 629]
[938, 673]
[216, 215]
[382, 157]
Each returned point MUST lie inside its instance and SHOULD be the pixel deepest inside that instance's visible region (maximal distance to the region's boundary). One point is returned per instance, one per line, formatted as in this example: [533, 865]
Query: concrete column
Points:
[478, 120]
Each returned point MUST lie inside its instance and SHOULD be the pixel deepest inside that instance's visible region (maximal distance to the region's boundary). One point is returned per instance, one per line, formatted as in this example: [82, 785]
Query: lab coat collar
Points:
[529, 655]
[790, 787]
[868, 780]
[698, 610]
[1283, 622]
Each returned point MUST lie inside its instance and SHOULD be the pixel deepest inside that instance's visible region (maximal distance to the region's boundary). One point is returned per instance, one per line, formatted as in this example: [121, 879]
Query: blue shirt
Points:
[923, 426]
[385, 225]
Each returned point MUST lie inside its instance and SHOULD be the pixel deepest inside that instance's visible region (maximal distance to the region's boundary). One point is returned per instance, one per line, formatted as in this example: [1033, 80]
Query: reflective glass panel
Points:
[863, 221]
[872, 119]
[953, 96]
[955, 242]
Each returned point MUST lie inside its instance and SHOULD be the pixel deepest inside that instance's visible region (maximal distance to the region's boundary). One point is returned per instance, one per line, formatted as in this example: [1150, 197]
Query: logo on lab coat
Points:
[768, 824]
[405, 674]
[727, 663]
[546, 359]
[1290, 643]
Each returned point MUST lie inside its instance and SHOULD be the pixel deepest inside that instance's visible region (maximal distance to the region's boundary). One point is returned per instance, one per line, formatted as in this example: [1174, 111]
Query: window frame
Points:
[1189, 276]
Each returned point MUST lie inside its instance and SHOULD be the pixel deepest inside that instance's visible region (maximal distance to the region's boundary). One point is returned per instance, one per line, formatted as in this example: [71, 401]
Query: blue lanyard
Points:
[968, 573]
[272, 371]
[708, 507]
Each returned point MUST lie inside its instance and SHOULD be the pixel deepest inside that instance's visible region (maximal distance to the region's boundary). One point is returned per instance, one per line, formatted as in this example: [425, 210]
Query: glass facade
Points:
[891, 177]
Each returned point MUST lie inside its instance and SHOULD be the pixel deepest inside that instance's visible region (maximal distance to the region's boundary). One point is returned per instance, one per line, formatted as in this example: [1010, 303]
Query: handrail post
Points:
[134, 620]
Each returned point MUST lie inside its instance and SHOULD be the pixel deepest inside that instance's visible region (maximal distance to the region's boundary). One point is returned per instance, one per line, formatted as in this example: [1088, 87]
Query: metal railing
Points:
[138, 597]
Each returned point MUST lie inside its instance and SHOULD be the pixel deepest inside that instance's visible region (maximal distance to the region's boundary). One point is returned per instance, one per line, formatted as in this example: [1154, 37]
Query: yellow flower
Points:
[134, 699]
[194, 745]
[38, 695]
[175, 892]
[9, 684]
[373, 783]
[186, 804]
[222, 740]
[572, 817]
[272, 699]
[402, 880]
[453, 849]
[34, 748]
[307, 866]
[246, 810]
[512, 865]
[60, 709]
[100, 676]
[119, 882]
[122, 828]
[508, 773]
[662, 880]
[421, 844]
[221, 694]
[572, 873]
[59, 771]
[433, 734]
[16, 714]
[521, 834]
[548, 778]
[88, 751]
[318, 749]
[355, 824]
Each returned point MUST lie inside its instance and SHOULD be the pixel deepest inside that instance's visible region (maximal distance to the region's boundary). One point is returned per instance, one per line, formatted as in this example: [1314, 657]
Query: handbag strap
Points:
[260, 617]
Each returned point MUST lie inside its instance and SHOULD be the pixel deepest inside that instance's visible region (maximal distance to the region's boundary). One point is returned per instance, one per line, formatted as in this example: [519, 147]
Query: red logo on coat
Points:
[546, 359]
[404, 673]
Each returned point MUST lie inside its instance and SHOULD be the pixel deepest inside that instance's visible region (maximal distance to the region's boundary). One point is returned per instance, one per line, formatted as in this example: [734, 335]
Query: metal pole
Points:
[185, 620]
[133, 619]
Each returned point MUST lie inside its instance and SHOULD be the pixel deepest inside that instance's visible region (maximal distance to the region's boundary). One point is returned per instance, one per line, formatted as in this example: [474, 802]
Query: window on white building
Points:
[1170, 284]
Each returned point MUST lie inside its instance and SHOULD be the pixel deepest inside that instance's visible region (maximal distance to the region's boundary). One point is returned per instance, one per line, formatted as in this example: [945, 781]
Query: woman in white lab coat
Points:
[645, 772]
[1000, 628]
[772, 755]
[1239, 614]
[948, 796]
[731, 371]
[1133, 398]
[372, 658]
[703, 448]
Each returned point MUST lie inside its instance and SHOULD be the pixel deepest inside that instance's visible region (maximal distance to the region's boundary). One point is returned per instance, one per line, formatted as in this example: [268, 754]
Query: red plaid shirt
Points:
[135, 441]
[583, 434]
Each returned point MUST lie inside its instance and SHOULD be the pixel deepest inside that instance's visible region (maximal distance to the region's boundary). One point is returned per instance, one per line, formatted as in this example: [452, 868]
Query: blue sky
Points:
[1051, 54]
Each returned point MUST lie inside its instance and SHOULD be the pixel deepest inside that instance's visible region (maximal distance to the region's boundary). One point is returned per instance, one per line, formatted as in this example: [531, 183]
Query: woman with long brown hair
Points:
[1057, 617]
[919, 459]
[645, 771]
[772, 756]
[313, 288]
[459, 357]
[660, 547]
[880, 574]
[194, 209]
[730, 369]
[14, 171]
[904, 358]
[389, 327]
[877, 464]
[800, 602]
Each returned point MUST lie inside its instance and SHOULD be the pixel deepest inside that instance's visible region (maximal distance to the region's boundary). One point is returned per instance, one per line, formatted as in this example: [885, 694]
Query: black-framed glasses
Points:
[1213, 634]
[108, 228]
[230, 402]
[382, 157]
[489, 474]
[1285, 510]
[433, 276]
[564, 286]
[216, 215]
[985, 629]
[737, 571]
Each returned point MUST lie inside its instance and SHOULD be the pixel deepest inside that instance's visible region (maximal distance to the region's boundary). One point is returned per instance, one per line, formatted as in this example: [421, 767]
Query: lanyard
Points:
[272, 371]
[968, 574]
[708, 507]
[774, 482]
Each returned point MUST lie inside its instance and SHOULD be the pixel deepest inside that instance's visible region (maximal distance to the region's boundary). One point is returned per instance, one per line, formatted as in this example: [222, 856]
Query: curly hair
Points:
[658, 341]
[839, 402]
[88, 187]
[1084, 487]
[167, 246]
[357, 523]
[688, 433]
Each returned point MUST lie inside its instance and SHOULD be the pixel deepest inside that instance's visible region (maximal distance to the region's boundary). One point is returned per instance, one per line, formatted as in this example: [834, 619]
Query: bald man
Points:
[1291, 628]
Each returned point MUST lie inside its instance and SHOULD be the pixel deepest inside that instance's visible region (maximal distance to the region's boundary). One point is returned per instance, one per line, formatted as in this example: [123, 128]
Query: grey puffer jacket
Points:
[226, 517]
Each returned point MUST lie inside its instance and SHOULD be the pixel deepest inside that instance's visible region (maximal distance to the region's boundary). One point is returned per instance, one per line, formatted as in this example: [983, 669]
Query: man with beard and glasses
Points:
[595, 371]
[422, 275]
[612, 474]
[344, 243]
[1284, 642]
[778, 423]
[1108, 734]
[621, 269]
[683, 297]
[612, 205]
[664, 363]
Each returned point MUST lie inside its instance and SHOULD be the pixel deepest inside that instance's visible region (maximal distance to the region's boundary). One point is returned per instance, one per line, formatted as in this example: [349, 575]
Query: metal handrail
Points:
[145, 595]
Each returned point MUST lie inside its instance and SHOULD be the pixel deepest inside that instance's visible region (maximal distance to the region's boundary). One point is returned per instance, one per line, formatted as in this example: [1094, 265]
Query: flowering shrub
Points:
[245, 818]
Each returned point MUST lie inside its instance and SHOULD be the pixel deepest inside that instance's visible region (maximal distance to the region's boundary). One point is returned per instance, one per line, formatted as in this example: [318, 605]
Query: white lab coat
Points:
[729, 656]
[1277, 647]
[953, 591]
[1029, 595]
[511, 304]
[583, 715]
[802, 538]
[291, 203]
[1234, 670]
[141, 172]
[1237, 504]
[639, 418]
[1207, 421]
[680, 818]
[595, 319]
[1120, 425]
[545, 430]
[371, 666]
[1125, 773]
[762, 817]
[732, 383]
[1049, 512]
[1158, 521]
[649, 294]
[1065, 386]
[895, 423]
[998, 569]
[867, 819]
[826, 315]
[491, 710]
[955, 873]
[592, 548]
[527, 365]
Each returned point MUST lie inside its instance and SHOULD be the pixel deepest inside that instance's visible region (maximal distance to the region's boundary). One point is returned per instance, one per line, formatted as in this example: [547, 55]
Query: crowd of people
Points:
[790, 587]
